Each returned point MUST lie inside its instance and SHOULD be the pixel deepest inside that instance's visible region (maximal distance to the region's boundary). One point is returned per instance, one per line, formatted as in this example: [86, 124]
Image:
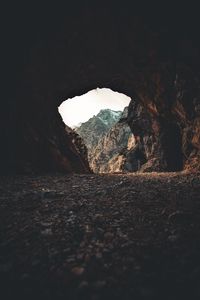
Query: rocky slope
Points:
[96, 127]
[79, 145]
[116, 150]
[107, 155]
[111, 145]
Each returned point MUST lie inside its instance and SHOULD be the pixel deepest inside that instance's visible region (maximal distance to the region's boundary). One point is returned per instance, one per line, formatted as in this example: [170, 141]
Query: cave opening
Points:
[68, 233]
[98, 124]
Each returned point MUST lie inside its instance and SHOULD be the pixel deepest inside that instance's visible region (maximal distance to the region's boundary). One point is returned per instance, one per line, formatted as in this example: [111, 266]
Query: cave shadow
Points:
[172, 145]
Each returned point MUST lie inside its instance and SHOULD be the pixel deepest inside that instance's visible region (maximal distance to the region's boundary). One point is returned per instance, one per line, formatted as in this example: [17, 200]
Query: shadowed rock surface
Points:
[100, 237]
[79, 145]
[151, 55]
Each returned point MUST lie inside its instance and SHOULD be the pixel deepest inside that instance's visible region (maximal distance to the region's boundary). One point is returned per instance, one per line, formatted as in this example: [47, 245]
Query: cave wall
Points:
[53, 54]
[168, 123]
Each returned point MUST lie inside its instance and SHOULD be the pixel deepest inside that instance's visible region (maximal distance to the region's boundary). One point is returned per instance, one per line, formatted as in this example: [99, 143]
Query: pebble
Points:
[173, 238]
[83, 285]
[109, 241]
[99, 284]
[78, 271]
[108, 236]
[98, 255]
[47, 231]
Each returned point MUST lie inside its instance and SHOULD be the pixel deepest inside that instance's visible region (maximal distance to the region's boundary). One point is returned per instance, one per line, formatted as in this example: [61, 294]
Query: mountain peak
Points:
[109, 116]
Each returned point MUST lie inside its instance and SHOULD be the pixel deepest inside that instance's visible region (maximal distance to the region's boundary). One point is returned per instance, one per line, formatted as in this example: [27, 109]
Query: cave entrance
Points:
[98, 120]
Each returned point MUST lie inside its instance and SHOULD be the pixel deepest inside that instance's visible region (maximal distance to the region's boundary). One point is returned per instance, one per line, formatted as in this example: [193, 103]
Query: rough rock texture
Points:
[79, 145]
[169, 131]
[116, 151]
[96, 127]
[109, 147]
[106, 237]
[158, 140]
[187, 111]
[151, 55]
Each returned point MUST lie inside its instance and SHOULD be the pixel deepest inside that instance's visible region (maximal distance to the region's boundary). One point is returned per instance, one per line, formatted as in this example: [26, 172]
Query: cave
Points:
[98, 123]
[67, 232]
[59, 63]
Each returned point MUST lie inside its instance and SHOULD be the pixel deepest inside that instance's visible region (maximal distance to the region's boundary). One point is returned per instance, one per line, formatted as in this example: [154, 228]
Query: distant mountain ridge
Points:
[109, 117]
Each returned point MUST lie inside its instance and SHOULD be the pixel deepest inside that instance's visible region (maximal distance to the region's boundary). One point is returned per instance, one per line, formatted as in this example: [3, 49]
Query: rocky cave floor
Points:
[133, 236]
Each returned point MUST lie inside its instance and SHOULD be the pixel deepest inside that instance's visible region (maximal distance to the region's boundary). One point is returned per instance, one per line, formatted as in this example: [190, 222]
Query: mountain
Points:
[109, 117]
[96, 127]
[110, 142]
[117, 150]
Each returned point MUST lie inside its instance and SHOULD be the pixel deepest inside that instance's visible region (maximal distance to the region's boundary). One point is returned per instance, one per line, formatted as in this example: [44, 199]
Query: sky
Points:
[80, 108]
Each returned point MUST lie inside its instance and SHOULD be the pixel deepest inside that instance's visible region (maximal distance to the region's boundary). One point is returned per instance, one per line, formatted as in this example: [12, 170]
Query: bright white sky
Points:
[80, 108]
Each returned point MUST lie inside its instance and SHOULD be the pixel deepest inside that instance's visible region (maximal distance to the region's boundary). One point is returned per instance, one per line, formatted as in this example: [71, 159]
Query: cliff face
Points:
[107, 156]
[186, 110]
[160, 142]
[111, 144]
[96, 127]
[79, 145]
[167, 133]
[151, 57]
[168, 130]
[115, 150]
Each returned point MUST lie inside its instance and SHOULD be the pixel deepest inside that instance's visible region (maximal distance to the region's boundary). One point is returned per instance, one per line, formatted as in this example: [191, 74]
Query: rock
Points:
[46, 224]
[180, 217]
[98, 218]
[47, 231]
[152, 165]
[79, 145]
[83, 285]
[165, 86]
[78, 271]
[99, 284]
[173, 238]
[71, 259]
[108, 236]
[99, 255]
[114, 151]
[96, 127]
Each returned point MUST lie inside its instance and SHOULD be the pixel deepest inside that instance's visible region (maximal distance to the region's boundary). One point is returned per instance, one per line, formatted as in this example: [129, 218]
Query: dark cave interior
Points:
[66, 233]
[63, 54]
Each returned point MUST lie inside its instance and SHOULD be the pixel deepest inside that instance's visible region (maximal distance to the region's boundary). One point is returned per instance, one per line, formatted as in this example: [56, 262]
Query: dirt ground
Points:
[133, 236]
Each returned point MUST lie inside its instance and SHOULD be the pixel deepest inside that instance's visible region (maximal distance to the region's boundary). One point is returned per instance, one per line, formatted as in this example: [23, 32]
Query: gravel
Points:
[127, 236]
